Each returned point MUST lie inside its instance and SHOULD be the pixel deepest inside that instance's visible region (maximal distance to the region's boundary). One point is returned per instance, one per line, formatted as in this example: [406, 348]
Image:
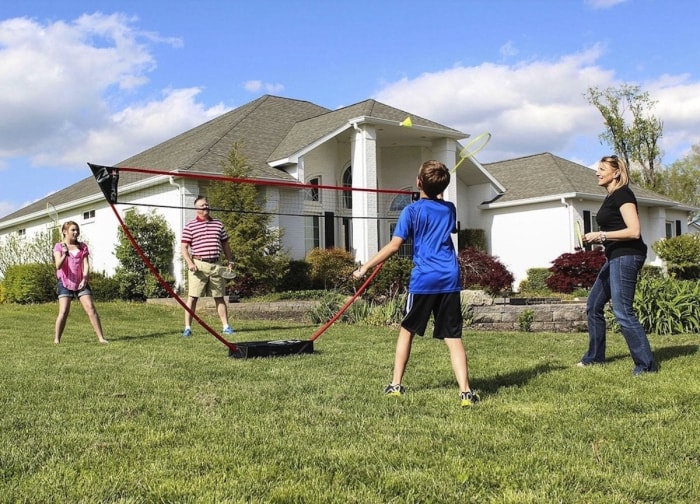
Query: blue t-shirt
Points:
[430, 224]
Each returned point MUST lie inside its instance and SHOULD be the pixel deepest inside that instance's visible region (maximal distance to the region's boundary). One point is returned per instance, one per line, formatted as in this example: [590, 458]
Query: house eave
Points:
[355, 122]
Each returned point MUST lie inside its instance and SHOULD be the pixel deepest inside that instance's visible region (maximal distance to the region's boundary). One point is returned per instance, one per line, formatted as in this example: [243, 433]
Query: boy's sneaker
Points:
[229, 330]
[394, 390]
[187, 332]
[468, 398]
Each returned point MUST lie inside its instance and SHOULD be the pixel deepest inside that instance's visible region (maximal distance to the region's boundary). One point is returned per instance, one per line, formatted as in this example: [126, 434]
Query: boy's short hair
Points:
[434, 178]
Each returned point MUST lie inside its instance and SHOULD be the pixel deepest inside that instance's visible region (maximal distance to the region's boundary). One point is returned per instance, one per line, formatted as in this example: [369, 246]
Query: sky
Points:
[102, 80]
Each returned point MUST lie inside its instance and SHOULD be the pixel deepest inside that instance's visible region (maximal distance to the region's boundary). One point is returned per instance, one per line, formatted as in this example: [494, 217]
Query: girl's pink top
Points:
[71, 272]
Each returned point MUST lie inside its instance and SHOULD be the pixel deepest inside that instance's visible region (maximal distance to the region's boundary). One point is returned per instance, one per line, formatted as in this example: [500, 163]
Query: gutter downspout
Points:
[570, 220]
[171, 180]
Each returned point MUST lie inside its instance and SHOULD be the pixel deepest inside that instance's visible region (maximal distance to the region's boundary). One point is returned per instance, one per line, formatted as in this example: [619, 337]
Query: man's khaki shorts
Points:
[206, 281]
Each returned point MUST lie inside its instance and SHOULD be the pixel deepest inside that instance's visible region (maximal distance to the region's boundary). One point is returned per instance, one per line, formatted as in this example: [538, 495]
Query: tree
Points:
[636, 141]
[258, 259]
[17, 249]
[156, 239]
[681, 180]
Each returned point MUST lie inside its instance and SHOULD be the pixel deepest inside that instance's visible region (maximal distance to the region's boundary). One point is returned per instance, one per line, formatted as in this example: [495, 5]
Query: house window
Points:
[312, 232]
[89, 215]
[312, 193]
[669, 229]
[397, 204]
[22, 232]
[400, 202]
[347, 182]
[406, 249]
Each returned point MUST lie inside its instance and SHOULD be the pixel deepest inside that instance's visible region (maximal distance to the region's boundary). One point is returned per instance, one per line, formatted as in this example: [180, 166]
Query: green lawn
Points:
[153, 417]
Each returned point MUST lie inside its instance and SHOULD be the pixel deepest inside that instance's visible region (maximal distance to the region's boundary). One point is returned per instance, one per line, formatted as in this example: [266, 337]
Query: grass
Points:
[153, 417]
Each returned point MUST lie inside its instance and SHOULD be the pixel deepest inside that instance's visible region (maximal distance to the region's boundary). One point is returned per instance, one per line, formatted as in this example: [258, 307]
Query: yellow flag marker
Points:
[406, 122]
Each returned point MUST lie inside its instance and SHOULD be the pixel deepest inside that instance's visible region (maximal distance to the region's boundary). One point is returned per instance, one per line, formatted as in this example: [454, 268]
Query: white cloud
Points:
[508, 50]
[62, 85]
[255, 86]
[530, 107]
[539, 106]
[134, 129]
[603, 4]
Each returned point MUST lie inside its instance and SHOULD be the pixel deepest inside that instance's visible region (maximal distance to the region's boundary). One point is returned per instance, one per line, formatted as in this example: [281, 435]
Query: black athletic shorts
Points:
[445, 308]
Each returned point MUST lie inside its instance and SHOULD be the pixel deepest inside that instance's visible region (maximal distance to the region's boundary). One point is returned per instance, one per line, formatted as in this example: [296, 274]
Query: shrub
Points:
[331, 269]
[103, 288]
[525, 319]
[575, 271]
[329, 305]
[681, 255]
[475, 238]
[536, 282]
[297, 277]
[154, 236]
[392, 280]
[479, 269]
[668, 306]
[29, 283]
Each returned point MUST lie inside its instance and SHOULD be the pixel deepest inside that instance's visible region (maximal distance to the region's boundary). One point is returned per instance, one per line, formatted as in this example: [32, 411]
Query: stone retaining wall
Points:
[568, 317]
[564, 317]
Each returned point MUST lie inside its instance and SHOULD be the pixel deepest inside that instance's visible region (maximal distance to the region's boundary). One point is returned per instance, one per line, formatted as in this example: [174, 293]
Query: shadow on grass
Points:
[513, 379]
[672, 352]
[660, 354]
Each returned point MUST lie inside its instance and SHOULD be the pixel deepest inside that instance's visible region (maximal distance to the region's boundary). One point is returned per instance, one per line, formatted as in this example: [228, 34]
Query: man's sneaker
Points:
[394, 390]
[468, 398]
[187, 332]
[229, 330]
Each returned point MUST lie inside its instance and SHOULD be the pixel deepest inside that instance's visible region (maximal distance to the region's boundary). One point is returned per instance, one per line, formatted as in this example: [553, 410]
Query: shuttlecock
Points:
[406, 122]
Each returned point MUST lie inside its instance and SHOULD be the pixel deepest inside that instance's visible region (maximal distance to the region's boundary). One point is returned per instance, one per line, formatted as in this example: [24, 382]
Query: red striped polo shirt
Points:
[205, 237]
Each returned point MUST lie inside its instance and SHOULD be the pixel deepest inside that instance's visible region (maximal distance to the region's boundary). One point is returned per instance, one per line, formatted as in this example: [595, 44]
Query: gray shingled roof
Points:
[267, 129]
[308, 131]
[543, 175]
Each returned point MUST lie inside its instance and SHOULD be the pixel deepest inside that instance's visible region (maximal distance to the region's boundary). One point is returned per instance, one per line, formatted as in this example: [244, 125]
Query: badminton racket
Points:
[53, 215]
[472, 147]
[579, 236]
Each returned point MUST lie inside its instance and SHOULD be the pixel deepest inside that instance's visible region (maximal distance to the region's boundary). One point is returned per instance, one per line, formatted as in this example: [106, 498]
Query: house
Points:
[527, 206]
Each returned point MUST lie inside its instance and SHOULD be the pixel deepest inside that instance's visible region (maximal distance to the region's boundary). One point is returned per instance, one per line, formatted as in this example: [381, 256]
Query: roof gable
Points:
[546, 176]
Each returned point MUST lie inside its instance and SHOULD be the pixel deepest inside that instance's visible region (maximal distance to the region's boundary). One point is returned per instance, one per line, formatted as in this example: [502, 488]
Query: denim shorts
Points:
[63, 292]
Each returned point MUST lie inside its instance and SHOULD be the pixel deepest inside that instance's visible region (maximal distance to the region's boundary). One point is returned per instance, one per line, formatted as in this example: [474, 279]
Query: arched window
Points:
[347, 182]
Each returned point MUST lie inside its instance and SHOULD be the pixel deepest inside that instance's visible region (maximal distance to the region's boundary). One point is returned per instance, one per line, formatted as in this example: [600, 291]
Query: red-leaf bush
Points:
[575, 271]
[479, 269]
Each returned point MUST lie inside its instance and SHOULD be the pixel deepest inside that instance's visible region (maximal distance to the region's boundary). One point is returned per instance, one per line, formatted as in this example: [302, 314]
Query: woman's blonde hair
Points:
[623, 174]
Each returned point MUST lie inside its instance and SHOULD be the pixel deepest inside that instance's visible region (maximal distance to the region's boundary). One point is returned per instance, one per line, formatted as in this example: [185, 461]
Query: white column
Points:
[444, 151]
[364, 204]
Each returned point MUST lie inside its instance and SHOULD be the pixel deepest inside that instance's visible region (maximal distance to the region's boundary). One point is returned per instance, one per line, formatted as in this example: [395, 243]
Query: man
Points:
[203, 240]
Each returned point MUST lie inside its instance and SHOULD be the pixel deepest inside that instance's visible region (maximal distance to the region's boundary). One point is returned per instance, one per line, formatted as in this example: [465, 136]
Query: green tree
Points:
[259, 261]
[17, 249]
[631, 130]
[681, 180]
[156, 239]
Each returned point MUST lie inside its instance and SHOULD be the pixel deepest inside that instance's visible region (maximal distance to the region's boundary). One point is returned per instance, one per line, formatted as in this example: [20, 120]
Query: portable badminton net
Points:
[323, 205]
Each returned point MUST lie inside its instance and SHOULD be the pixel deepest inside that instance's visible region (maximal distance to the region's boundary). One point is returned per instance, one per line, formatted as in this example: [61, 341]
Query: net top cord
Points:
[291, 199]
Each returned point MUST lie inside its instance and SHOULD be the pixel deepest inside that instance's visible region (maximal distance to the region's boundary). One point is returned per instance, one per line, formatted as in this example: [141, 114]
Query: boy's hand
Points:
[358, 274]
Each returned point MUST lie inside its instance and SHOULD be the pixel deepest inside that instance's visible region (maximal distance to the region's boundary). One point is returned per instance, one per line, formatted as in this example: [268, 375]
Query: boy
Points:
[434, 286]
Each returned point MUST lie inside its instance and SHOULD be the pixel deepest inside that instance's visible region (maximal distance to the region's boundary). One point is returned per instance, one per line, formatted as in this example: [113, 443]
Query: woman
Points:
[73, 273]
[625, 251]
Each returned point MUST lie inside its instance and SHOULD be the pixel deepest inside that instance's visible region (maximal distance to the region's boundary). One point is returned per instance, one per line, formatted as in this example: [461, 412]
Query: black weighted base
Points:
[276, 348]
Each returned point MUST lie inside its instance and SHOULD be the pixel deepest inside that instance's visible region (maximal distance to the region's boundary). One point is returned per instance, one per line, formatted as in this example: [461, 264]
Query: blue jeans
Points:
[617, 281]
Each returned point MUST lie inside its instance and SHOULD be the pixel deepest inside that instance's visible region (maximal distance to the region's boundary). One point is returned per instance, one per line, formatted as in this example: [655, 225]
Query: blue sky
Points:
[102, 80]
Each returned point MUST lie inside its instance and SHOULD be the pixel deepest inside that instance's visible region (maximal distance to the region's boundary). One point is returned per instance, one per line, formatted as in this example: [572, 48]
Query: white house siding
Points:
[529, 236]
